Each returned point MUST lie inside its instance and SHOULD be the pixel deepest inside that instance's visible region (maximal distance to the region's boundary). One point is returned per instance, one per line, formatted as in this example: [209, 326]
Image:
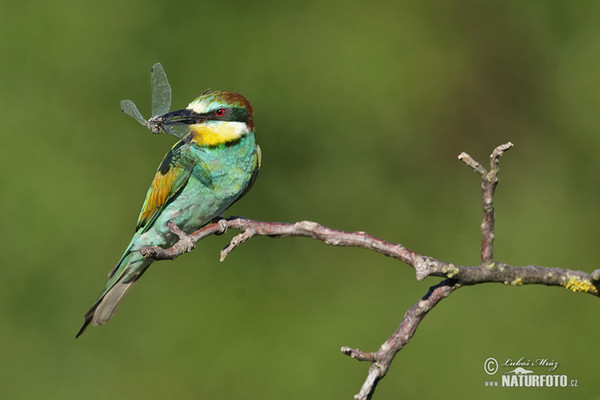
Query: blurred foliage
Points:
[361, 110]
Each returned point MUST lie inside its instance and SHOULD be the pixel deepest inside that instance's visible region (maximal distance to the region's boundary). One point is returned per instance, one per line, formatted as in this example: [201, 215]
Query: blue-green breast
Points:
[219, 176]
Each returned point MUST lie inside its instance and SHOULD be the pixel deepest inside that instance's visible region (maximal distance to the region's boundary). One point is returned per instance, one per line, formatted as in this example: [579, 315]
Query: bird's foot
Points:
[222, 222]
[185, 241]
[189, 243]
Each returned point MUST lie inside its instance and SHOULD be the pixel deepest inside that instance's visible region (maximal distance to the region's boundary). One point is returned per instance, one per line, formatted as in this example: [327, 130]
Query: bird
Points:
[211, 167]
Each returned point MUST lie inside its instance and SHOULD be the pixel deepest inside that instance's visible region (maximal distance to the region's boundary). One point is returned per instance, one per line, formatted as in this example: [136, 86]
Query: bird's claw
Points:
[189, 244]
[186, 241]
[223, 226]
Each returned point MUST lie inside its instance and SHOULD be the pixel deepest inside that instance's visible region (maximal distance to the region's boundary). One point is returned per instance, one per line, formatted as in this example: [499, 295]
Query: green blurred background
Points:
[361, 110]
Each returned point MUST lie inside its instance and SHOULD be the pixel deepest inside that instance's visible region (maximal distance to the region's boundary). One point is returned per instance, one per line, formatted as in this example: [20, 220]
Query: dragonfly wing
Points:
[179, 131]
[161, 90]
[129, 108]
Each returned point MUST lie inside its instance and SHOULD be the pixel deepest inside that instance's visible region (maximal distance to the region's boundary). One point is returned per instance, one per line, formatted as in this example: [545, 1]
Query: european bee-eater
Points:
[209, 169]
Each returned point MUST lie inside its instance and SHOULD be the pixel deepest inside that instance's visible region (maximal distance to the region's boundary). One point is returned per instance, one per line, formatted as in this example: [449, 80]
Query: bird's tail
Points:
[122, 277]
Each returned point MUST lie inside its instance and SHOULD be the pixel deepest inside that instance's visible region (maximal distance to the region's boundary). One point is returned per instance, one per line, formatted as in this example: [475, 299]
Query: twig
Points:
[383, 358]
[489, 180]
[455, 275]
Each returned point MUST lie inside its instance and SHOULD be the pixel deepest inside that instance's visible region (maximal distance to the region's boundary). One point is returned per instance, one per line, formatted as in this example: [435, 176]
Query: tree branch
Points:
[382, 359]
[424, 266]
[455, 275]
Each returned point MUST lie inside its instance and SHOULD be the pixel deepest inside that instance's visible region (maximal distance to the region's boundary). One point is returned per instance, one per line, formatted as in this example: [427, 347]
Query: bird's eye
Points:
[220, 112]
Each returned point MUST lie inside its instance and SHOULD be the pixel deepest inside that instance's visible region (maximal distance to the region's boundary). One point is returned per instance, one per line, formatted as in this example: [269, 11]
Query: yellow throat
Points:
[217, 132]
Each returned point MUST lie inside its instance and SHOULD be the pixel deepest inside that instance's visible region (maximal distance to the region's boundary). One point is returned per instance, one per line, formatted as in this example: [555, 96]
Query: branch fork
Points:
[489, 180]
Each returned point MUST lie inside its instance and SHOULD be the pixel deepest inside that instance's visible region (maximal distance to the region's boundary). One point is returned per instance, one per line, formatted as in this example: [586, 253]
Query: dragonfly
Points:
[161, 103]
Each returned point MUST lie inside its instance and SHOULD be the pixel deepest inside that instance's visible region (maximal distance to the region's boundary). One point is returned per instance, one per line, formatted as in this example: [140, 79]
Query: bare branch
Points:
[382, 359]
[467, 159]
[359, 355]
[497, 153]
[236, 241]
[424, 266]
[489, 180]
[455, 275]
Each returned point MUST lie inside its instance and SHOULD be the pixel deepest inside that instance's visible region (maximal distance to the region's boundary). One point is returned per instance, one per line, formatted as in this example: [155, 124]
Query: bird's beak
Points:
[180, 117]
[175, 122]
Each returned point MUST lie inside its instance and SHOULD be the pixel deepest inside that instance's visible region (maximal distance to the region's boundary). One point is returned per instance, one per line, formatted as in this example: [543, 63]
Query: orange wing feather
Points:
[163, 187]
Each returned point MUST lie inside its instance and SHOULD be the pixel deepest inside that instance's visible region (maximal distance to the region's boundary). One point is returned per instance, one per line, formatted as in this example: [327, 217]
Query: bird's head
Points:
[214, 118]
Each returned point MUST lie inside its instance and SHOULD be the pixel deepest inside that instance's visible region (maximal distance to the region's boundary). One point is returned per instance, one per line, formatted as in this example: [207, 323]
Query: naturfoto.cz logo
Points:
[527, 373]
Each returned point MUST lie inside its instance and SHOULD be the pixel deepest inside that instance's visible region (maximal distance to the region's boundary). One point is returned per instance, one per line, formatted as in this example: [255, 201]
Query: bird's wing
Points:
[171, 177]
[255, 168]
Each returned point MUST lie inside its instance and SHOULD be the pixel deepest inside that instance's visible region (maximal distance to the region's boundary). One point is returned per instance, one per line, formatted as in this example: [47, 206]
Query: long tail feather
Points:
[111, 300]
[128, 271]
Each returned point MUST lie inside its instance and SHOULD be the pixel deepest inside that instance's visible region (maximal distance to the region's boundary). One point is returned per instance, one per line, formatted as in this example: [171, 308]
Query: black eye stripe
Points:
[235, 114]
